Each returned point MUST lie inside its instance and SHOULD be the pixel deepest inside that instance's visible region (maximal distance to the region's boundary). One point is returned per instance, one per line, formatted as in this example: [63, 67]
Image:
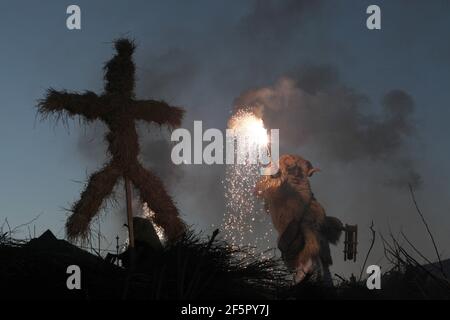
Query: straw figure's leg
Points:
[152, 192]
[100, 186]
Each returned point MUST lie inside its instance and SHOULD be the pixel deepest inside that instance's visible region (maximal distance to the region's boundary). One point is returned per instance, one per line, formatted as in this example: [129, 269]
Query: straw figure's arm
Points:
[158, 112]
[63, 103]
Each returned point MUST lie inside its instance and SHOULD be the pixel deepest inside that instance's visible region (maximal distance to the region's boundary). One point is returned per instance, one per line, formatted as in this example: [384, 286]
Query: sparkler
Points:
[150, 215]
[246, 223]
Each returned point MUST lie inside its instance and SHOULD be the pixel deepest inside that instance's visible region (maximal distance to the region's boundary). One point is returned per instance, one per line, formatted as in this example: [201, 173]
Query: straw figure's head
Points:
[120, 70]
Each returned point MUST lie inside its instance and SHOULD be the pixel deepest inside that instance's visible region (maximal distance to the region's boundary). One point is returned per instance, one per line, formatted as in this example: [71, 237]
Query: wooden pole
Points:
[130, 235]
[129, 212]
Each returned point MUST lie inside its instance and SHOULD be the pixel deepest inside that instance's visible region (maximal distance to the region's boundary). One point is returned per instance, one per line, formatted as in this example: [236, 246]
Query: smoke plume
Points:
[313, 109]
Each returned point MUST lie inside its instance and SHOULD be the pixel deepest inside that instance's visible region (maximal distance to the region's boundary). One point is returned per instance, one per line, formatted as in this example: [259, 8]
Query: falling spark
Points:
[150, 214]
[246, 223]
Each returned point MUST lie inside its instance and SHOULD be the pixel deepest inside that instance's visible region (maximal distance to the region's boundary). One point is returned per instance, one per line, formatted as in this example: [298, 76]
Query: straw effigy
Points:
[119, 109]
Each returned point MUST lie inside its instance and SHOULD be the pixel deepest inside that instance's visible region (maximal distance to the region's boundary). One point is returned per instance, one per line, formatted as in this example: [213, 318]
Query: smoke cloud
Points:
[315, 110]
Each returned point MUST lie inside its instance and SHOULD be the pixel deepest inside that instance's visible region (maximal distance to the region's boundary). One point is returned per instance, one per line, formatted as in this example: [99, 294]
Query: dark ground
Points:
[189, 270]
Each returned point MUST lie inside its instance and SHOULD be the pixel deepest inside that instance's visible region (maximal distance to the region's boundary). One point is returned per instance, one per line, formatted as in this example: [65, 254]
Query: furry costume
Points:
[303, 227]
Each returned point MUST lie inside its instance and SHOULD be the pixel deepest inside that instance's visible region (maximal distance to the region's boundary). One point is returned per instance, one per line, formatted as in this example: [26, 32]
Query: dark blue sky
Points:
[203, 55]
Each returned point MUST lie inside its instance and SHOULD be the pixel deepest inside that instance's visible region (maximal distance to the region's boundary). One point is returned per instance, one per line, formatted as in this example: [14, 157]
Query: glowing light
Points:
[150, 214]
[246, 223]
[247, 125]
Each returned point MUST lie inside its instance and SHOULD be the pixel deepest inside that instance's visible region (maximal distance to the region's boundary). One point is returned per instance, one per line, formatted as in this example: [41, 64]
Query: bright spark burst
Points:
[150, 214]
[246, 124]
[246, 223]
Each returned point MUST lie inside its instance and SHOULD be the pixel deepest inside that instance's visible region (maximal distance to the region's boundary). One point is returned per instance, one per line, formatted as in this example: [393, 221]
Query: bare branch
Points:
[428, 229]
[26, 223]
[368, 252]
